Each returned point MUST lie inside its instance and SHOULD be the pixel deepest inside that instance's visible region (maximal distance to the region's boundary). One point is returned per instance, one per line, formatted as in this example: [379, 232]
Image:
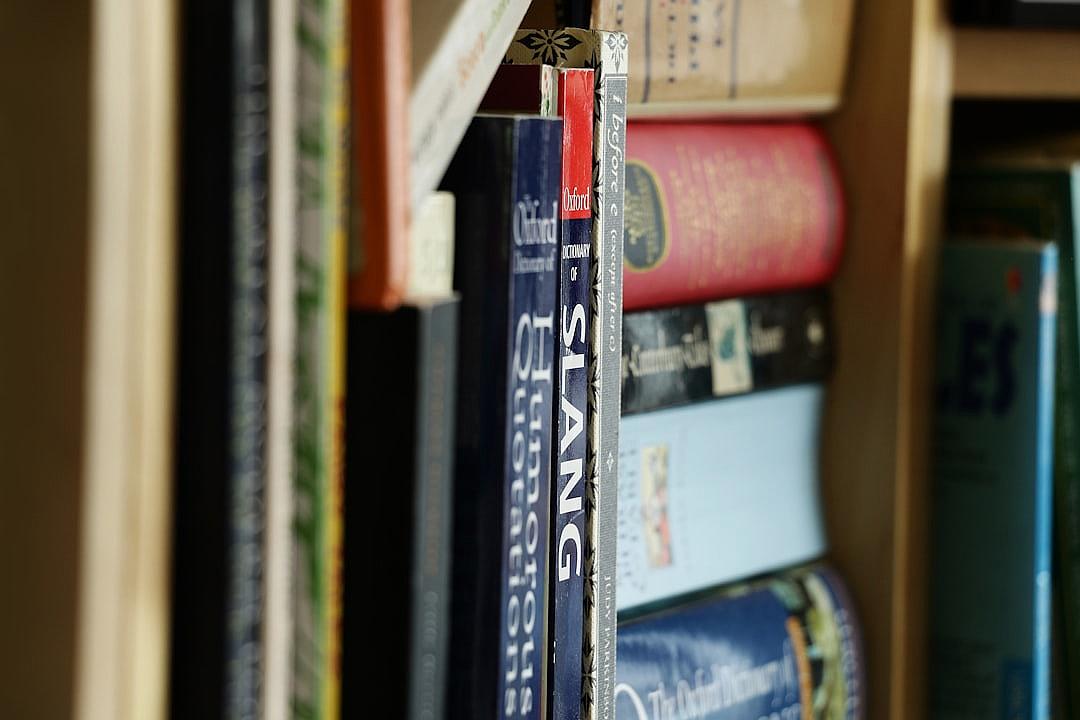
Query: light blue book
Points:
[992, 482]
[716, 492]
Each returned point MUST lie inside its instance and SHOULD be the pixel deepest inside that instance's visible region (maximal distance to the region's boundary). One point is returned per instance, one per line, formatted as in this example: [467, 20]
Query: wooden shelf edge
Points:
[1021, 64]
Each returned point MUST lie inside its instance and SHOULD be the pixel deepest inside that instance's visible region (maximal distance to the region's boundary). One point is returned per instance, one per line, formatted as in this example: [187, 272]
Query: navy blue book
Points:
[572, 391]
[993, 481]
[505, 179]
[786, 647]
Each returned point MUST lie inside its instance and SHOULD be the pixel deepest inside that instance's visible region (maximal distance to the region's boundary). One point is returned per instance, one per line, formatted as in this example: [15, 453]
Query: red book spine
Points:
[716, 211]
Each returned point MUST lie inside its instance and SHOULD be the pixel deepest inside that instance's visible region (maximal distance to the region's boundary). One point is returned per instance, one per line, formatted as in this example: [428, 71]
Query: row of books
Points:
[1005, 641]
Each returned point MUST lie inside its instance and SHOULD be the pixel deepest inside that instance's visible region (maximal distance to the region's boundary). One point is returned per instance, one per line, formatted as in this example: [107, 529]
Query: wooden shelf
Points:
[1021, 64]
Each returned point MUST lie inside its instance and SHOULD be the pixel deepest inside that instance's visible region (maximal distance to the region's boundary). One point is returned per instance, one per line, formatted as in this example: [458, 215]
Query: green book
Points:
[1040, 199]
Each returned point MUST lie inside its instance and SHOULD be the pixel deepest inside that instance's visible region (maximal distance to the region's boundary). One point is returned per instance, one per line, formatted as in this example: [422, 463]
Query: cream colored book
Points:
[732, 57]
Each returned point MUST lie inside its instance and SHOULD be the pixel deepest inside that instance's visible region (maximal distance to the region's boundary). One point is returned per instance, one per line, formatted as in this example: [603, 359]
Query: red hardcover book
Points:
[716, 210]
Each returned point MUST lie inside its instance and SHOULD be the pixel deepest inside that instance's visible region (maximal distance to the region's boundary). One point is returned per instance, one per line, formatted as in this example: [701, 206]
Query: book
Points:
[718, 491]
[607, 53]
[523, 88]
[431, 240]
[680, 355]
[715, 57]
[1020, 13]
[716, 211]
[381, 194]
[281, 361]
[575, 105]
[506, 180]
[787, 646]
[221, 452]
[89, 405]
[322, 163]
[992, 481]
[399, 460]
[427, 64]
[1035, 197]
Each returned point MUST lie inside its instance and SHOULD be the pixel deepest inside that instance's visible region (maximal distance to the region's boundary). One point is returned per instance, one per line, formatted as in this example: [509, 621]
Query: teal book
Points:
[1039, 198]
[992, 481]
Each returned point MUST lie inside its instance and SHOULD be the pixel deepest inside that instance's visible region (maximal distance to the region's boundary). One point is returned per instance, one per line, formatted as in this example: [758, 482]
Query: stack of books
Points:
[733, 230]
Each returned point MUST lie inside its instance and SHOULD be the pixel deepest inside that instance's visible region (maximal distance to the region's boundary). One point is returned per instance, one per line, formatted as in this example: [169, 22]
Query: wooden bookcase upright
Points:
[892, 136]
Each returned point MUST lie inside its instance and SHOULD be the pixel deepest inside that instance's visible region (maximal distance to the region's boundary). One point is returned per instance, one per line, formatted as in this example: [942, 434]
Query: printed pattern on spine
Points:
[681, 355]
[571, 383]
[505, 178]
[217, 653]
[750, 460]
[320, 352]
[399, 452]
[785, 647]
[607, 53]
[718, 211]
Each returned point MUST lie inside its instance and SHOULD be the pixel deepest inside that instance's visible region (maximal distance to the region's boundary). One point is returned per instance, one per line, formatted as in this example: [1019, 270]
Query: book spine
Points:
[684, 467]
[379, 248]
[408, 617]
[1044, 484]
[432, 523]
[1066, 458]
[571, 382]
[780, 224]
[530, 334]
[244, 605]
[785, 647]
[277, 626]
[320, 352]
[681, 355]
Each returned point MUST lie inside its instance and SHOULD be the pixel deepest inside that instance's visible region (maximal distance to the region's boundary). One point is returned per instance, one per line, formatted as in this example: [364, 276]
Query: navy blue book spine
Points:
[505, 178]
[572, 392]
[787, 647]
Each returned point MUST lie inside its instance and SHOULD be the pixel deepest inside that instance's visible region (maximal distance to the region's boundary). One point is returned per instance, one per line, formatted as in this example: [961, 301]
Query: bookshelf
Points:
[907, 66]
[87, 410]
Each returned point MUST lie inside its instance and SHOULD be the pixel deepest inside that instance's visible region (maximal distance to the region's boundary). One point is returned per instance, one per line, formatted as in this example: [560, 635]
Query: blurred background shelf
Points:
[1020, 64]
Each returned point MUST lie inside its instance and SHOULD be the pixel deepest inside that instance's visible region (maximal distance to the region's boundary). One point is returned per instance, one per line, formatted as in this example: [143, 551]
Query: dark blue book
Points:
[786, 647]
[572, 390]
[992, 481]
[505, 179]
[221, 430]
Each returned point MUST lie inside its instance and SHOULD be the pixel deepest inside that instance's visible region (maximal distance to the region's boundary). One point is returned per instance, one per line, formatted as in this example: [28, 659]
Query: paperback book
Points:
[506, 181]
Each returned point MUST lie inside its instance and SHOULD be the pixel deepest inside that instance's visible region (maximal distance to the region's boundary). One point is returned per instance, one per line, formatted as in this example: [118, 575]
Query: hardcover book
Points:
[218, 600]
[716, 57]
[718, 491]
[788, 646]
[506, 181]
[322, 103]
[686, 354]
[607, 54]
[400, 469]
[992, 481]
[1028, 199]
[715, 211]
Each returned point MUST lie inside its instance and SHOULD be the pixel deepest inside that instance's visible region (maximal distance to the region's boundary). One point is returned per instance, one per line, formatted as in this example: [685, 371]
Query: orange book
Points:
[378, 260]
